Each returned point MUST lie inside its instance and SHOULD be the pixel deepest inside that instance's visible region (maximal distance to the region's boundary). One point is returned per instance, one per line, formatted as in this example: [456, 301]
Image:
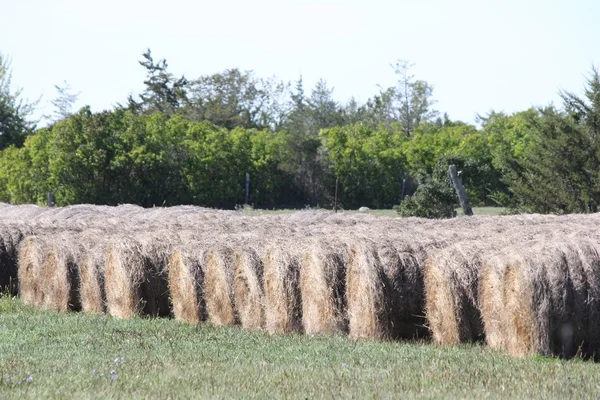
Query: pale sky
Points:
[479, 55]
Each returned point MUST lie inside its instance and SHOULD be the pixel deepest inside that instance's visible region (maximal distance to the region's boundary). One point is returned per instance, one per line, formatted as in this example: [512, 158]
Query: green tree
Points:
[163, 93]
[15, 112]
[64, 102]
[235, 98]
[434, 198]
[413, 98]
[367, 162]
[324, 111]
[559, 171]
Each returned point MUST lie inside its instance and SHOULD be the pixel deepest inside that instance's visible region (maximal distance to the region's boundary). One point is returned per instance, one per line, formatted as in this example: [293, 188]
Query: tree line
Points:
[192, 141]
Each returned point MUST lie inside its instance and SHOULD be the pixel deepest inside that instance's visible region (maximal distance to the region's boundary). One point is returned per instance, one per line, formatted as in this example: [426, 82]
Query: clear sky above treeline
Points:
[479, 55]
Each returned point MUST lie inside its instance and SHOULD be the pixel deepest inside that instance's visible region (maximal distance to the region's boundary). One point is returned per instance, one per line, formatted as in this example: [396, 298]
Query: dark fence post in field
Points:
[460, 191]
[404, 183]
[51, 199]
[247, 197]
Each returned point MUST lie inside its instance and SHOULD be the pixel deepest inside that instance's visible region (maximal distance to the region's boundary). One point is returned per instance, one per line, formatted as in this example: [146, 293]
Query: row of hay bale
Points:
[526, 284]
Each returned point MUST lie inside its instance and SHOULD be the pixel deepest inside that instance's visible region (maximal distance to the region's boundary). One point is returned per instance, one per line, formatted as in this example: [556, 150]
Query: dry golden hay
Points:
[248, 287]
[136, 270]
[491, 298]
[589, 254]
[323, 285]
[218, 286]
[451, 281]
[454, 293]
[546, 291]
[60, 277]
[402, 267]
[525, 321]
[91, 269]
[542, 297]
[283, 305]
[10, 237]
[186, 281]
[365, 292]
[32, 252]
[490, 287]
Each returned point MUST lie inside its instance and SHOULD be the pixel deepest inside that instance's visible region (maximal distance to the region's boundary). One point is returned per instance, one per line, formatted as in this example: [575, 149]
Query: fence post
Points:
[247, 197]
[404, 183]
[51, 199]
[460, 190]
[335, 201]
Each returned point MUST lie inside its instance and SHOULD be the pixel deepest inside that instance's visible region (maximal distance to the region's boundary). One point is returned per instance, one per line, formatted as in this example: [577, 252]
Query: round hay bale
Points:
[590, 257]
[491, 299]
[32, 253]
[404, 293]
[283, 305]
[60, 278]
[218, 287]
[538, 314]
[451, 299]
[365, 293]
[186, 281]
[92, 288]
[323, 286]
[124, 275]
[248, 287]
[136, 271]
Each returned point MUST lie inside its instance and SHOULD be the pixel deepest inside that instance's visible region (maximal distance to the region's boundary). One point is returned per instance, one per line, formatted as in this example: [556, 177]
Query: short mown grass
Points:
[73, 355]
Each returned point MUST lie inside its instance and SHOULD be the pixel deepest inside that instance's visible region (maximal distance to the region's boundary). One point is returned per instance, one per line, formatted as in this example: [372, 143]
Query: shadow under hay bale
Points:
[248, 288]
[323, 286]
[218, 287]
[186, 281]
[283, 303]
[365, 293]
[136, 275]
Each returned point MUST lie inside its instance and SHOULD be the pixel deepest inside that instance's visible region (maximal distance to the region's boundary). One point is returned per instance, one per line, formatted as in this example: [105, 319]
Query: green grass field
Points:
[49, 355]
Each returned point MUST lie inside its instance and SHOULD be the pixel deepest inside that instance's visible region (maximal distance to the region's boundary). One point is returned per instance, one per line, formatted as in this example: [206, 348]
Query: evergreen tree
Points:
[64, 102]
[559, 173]
[163, 93]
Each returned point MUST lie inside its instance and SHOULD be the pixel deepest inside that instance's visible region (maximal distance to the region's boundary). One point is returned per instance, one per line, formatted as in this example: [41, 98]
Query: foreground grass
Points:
[49, 355]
